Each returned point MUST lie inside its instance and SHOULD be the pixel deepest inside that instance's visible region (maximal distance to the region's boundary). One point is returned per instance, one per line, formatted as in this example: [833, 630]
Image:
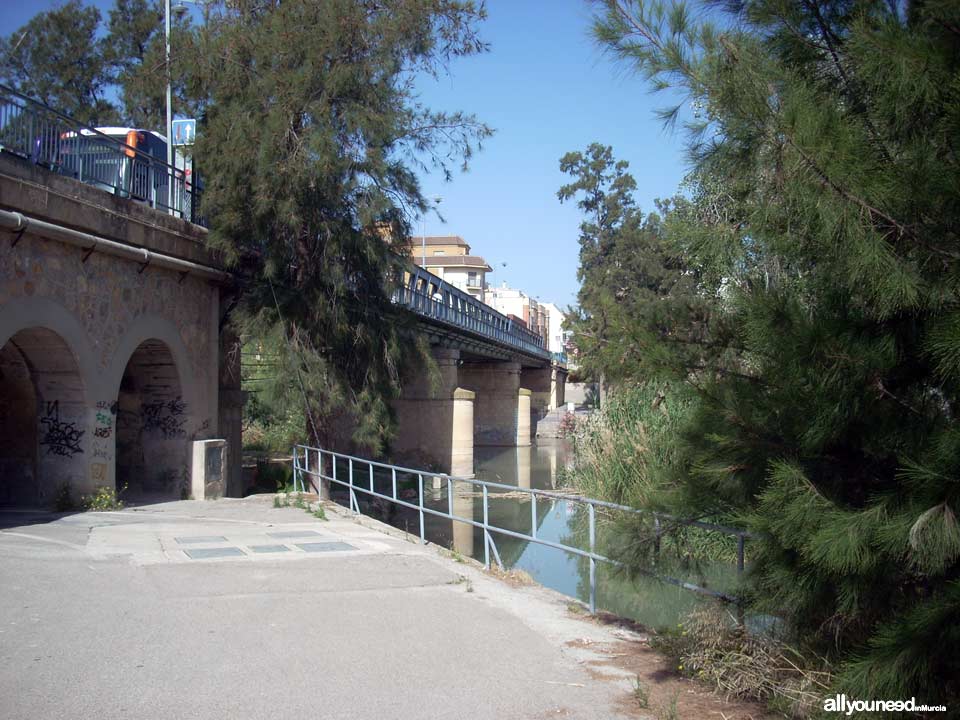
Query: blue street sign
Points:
[184, 132]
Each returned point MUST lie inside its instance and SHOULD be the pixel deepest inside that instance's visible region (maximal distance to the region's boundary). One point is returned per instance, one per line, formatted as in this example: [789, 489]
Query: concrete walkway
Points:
[236, 609]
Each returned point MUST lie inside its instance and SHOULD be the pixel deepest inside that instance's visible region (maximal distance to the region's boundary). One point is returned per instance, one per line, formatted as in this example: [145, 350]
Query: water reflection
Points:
[463, 506]
[560, 521]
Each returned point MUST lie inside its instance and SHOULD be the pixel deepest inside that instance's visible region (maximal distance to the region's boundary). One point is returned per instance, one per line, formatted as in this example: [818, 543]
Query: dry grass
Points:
[713, 649]
[514, 578]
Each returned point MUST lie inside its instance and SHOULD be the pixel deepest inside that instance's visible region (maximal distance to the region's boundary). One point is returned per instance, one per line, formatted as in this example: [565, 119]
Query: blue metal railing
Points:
[59, 143]
[319, 467]
[431, 297]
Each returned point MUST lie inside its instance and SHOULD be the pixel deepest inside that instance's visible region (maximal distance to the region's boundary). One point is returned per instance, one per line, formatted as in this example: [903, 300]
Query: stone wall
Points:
[122, 359]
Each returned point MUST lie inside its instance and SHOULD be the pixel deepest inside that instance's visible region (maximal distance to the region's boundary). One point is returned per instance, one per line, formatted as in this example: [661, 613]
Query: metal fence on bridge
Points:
[48, 138]
[357, 475]
[431, 297]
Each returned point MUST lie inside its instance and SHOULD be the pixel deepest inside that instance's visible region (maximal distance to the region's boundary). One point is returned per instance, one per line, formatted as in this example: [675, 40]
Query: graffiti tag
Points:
[59, 437]
[165, 417]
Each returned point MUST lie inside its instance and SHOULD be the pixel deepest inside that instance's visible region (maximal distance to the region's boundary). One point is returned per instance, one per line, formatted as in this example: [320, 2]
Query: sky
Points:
[546, 88]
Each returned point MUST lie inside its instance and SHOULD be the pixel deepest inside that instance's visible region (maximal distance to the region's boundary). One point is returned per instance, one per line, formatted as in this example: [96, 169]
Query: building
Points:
[557, 337]
[448, 257]
[520, 306]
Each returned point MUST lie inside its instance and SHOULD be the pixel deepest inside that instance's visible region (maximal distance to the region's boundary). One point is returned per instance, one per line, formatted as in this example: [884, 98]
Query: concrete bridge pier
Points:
[502, 408]
[436, 418]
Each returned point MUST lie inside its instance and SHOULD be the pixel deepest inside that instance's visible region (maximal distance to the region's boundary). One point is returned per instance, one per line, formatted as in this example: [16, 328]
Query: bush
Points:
[104, 498]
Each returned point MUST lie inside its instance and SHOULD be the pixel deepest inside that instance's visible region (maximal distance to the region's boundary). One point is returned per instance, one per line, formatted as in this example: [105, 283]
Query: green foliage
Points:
[319, 513]
[323, 92]
[815, 327]
[275, 476]
[103, 498]
[58, 58]
[71, 60]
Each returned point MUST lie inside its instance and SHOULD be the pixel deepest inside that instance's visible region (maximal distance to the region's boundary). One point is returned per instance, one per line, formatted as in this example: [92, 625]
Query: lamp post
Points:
[171, 173]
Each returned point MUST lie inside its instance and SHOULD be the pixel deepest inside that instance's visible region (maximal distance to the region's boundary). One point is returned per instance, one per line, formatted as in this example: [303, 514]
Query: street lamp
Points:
[423, 227]
[179, 10]
[171, 174]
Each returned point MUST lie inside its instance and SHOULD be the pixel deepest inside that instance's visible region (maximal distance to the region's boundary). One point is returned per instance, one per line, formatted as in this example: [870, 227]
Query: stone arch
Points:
[28, 312]
[155, 401]
[44, 418]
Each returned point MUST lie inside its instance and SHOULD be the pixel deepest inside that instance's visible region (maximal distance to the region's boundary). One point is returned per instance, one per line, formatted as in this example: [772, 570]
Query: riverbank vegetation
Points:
[796, 313]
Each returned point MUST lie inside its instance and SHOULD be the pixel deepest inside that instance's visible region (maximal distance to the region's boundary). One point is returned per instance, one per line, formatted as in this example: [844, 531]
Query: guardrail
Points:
[67, 147]
[357, 481]
[430, 296]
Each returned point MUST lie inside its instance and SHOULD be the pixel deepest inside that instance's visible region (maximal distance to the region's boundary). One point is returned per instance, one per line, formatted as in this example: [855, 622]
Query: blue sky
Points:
[547, 89]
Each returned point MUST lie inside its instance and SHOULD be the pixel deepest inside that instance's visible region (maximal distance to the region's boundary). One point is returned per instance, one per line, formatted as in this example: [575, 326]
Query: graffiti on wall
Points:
[103, 428]
[60, 437]
[104, 419]
[166, 417]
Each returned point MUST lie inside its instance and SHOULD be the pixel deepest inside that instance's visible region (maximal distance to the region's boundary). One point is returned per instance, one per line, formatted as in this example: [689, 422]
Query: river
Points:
[647, 600]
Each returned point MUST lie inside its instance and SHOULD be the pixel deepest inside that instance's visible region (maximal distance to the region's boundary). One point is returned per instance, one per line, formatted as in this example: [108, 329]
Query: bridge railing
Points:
[359, 475]
[431, 297]
[59, 143]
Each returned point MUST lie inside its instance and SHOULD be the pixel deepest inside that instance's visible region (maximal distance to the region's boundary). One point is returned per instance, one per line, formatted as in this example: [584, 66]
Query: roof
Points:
[474, 261]
[418, 240]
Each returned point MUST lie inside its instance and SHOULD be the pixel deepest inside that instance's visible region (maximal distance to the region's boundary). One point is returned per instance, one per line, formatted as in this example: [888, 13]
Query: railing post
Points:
[393, 477]
[423, 537]
[593, 562]
[371, 476]
[296, 469]
[450, 497]
[353, 495]
[533, 515]
[486, 532]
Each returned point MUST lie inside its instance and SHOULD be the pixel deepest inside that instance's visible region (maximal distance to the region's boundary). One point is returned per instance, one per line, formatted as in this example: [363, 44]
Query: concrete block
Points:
[208, 469]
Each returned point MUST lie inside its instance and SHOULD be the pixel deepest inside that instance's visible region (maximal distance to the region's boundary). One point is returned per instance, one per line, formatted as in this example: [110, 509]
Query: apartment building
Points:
[448, 257]
[520, 306]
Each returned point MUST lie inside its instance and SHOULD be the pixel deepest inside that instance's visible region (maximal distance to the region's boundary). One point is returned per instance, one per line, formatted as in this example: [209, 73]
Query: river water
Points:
[647, 600]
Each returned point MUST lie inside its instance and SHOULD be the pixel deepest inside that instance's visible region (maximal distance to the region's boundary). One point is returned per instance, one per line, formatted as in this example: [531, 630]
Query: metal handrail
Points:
[432, 297]
[53, 140]
[317, 474]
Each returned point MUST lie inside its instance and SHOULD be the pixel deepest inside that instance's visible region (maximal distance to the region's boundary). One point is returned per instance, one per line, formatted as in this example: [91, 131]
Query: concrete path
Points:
[236, 609]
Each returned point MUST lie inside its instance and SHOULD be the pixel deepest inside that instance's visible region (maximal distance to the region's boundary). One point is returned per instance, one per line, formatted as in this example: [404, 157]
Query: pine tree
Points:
[311, 136]
[58, 59]
[633, 282]
[826, 200]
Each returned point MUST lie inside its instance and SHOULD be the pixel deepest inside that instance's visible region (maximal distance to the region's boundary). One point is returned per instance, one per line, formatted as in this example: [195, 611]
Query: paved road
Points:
[235, 609]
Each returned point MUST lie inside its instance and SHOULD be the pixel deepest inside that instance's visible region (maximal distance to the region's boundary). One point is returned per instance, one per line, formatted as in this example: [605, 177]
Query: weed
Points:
[299, 503]
[456, 556]
[63, 498]
[463, 580]
[320, 513]
[640, 693]
[576, 608]
[103, 498]
[281, 502]
[669, 712]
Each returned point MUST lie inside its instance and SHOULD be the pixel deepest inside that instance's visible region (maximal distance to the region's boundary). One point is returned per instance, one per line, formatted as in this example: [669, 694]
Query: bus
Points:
[129, 162]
